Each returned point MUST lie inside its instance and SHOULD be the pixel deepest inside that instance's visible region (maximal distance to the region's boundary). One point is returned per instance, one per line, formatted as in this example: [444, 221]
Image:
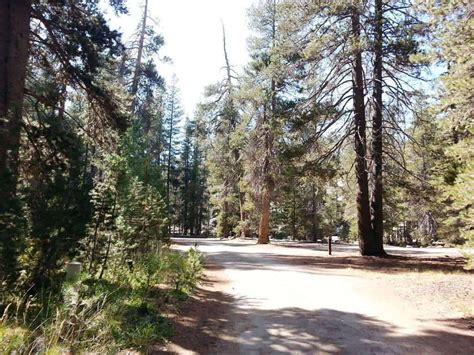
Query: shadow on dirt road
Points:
[282, 300]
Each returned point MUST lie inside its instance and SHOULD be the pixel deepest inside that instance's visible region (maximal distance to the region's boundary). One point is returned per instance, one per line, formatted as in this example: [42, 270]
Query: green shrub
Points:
[184, 269]
[117, 312]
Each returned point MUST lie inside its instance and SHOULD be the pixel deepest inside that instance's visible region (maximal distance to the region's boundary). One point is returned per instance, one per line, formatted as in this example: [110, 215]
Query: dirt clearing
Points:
[293, 298]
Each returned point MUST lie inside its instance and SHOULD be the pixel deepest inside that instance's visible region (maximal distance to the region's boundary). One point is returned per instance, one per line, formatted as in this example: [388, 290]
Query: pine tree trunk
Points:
[293, 222]
[264, 226]
[314, 222]
[245, 231]
[229, 179]
[199, 216]
[14, 46]
[186, 197]
[138, 62]
[227, 65]
[168, 171]
[263, 231]
[377, 136]
[267, 190]
[109, 240]
[225, 217]
[366, 240]
[159, 143]
[241, 212]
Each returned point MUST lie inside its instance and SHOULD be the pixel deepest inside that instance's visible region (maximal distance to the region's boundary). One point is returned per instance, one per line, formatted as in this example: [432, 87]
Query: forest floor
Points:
[293, 298]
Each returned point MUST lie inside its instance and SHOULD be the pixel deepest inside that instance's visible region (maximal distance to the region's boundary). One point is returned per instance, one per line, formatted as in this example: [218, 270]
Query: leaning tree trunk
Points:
[377, 135]
[366, 240]
[14, 45]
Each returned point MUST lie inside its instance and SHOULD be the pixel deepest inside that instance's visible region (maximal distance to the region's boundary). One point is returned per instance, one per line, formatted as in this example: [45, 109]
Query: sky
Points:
[192, 30]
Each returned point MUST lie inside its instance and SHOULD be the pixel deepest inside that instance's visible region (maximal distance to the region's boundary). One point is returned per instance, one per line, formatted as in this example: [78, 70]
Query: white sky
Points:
[192, 30]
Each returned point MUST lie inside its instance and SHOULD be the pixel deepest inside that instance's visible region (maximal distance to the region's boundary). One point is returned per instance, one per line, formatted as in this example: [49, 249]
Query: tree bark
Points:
[186, 199]
[293, 222]
[267, 190]
[109, 241]
[245, 231]
[225, 217]
[377, 136]
[365, 234]
[264, 228]
[14, 46]
[314, 222]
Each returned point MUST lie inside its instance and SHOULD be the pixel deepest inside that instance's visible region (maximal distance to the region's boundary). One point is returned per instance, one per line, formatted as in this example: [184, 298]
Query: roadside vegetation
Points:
[125, 309]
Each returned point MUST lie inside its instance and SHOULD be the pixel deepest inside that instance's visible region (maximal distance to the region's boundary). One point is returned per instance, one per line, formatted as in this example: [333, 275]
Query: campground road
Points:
[291, 298]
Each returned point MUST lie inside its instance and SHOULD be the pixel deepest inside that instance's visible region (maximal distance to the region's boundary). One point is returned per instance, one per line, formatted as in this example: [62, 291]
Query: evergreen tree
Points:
[192, 180]
[264, 81]
[75, 47]
[351, 62]
[185, 180]
[224, 117]
[452, 25]
[171, 127]
[198, 177]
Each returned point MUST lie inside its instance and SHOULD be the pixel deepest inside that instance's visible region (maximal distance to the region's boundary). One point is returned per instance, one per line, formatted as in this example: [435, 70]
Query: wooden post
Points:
[330, 245]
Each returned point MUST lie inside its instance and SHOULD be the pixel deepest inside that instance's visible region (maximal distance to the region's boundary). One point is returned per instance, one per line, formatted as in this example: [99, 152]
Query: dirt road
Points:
[293, 298]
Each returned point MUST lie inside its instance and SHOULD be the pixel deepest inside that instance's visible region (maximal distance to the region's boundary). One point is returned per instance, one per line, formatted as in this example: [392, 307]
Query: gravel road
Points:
[291, 298]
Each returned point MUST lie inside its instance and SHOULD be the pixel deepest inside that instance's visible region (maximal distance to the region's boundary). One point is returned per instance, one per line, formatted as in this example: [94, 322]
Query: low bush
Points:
[120, 311]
